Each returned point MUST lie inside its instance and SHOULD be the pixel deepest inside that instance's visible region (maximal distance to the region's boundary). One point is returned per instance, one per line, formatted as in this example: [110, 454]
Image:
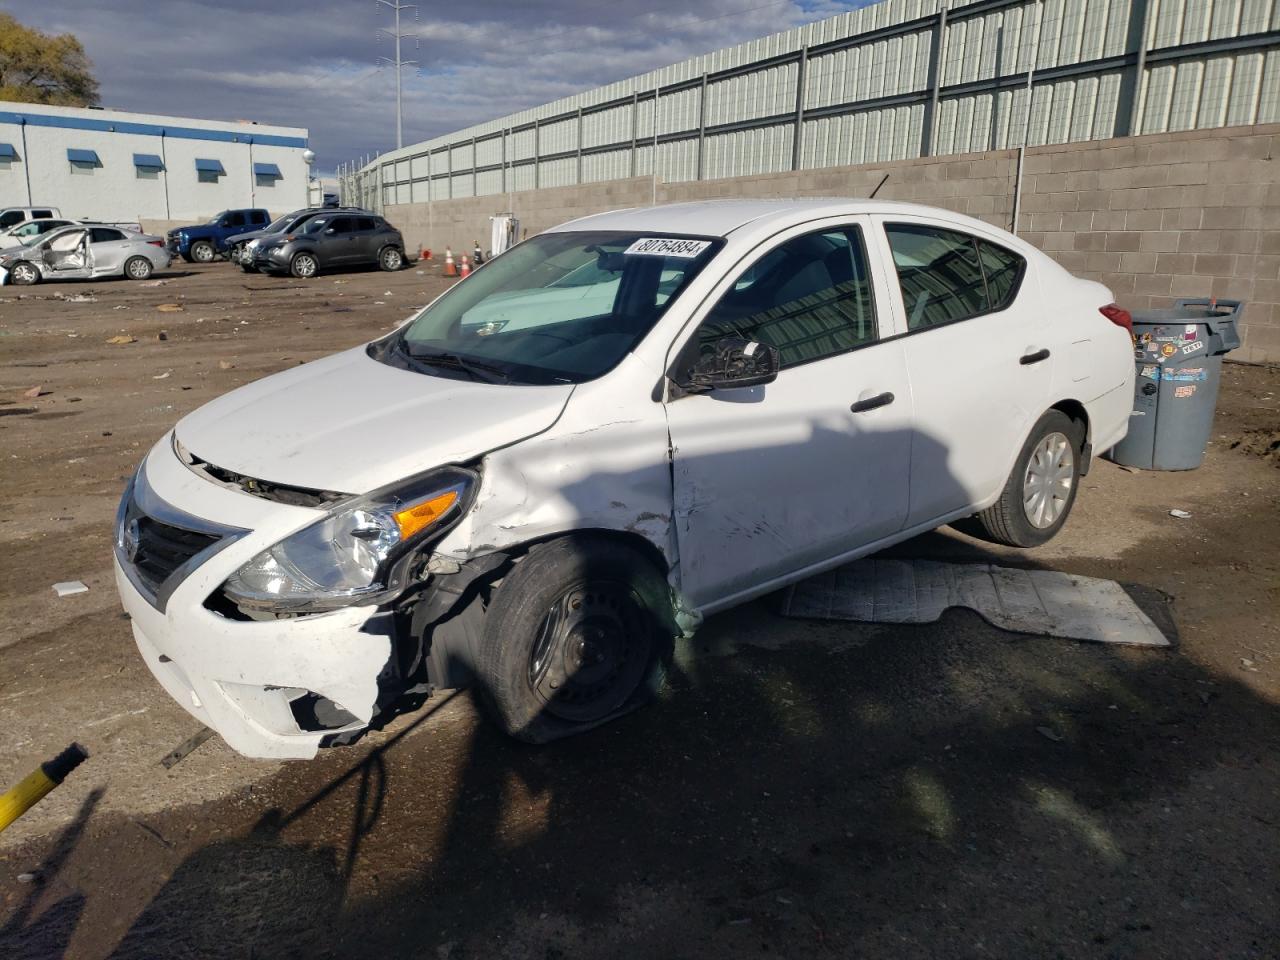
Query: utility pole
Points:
[399, 63]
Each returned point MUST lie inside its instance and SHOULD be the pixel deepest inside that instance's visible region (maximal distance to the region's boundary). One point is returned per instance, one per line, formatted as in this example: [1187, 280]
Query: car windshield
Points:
[559, 308]
[278, 226]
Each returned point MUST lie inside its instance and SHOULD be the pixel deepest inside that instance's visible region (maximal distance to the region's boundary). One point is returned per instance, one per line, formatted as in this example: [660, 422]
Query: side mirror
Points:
[733, 362]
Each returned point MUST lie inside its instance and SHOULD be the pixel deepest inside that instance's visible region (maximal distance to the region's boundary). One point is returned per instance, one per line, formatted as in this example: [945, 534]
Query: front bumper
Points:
[240, 677]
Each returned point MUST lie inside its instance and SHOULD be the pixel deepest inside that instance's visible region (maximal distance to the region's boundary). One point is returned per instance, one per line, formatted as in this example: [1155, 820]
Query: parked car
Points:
[82, 252]
[241, 248]
[332, 239]
[775, 389]
[203, 242]
[29, 231]
[10, 216]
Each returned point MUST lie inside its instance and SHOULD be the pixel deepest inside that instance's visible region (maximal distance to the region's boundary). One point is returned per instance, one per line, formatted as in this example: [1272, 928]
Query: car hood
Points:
[251, 235]
[350, 424]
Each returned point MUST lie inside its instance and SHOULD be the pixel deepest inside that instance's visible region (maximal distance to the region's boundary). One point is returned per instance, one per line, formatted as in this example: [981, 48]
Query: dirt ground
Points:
[805, 789]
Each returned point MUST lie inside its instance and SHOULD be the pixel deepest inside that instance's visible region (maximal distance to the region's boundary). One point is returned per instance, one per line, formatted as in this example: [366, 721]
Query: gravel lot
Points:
[806, 789]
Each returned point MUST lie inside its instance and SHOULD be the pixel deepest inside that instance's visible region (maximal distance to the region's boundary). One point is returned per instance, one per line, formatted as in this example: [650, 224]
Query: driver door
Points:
[771, 481]
[69, 256]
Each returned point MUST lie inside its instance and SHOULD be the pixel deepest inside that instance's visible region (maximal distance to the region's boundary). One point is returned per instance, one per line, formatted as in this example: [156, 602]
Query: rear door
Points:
[109, 248]
[977, 351]
[771, 480]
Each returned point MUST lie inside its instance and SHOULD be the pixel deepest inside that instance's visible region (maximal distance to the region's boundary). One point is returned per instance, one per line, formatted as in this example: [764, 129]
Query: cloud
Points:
[314, 65]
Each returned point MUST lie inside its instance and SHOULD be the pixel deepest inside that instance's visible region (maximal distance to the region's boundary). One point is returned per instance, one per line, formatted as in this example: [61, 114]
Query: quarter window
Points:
[809, 297]
[947, 276]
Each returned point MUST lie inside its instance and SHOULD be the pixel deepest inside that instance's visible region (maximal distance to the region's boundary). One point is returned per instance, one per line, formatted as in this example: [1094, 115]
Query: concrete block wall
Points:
[1157, 217]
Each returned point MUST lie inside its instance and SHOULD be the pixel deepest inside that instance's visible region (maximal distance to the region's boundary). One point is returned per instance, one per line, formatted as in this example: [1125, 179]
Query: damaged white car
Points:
[535, 503]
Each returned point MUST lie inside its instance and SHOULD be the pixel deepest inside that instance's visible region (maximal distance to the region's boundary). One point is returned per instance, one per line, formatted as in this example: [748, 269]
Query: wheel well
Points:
[635, 541]
[1075, 410]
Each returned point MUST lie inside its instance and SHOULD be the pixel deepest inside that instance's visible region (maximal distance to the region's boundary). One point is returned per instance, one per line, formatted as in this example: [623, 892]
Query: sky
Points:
[314, 64]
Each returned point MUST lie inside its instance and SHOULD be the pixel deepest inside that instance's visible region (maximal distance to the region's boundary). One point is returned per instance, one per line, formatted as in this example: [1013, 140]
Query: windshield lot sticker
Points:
[1183, 392]
[1193, 347]
[661, 247]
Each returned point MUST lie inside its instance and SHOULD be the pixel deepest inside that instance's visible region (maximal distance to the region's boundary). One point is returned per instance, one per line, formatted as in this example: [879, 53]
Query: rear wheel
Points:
[303, 265]
[202, 251]
[23, 274]
[137, 268]
[1041, 488]
[577, 634]
[390, 259]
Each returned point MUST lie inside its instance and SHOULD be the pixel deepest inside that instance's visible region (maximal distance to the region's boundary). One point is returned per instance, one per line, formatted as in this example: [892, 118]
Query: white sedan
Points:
[535, 503]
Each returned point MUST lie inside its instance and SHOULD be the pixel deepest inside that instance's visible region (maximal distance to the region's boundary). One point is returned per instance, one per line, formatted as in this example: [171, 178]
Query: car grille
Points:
[163, 549]
[158, 554]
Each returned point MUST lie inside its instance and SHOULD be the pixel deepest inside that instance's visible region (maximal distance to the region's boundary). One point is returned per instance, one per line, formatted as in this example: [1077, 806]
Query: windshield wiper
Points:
[476, 369]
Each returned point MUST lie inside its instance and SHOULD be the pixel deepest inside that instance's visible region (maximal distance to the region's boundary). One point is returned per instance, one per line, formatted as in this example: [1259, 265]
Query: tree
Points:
[36, 67]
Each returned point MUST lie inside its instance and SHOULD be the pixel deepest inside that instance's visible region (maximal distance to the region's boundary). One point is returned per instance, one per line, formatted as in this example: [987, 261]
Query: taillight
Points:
[1119, 316]
[155, 243]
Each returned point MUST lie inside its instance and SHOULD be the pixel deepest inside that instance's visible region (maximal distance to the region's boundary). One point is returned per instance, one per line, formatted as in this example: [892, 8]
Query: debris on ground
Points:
[123, 338]
[36, 391]
[77, 298]
[162, 376]
[162, 335]
[170, 307]
[225, 365]
[154, 283]
[1049, 734]
[28, 877]
[69, 588]
[185, 748]
[1180, 514]
[1128, 469]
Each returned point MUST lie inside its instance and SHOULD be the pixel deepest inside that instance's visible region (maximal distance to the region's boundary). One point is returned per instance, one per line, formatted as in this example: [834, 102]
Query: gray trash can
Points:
[1179, 354]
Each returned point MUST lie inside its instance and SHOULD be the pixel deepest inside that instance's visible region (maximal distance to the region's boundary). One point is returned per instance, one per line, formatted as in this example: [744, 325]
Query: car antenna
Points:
[873, 193]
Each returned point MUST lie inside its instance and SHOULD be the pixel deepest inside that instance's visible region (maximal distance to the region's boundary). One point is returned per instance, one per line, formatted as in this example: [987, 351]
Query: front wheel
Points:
[577, 634]
[390, 259]
[23, 274]
[1041, 488]
[303, 265]
[202, 251]
[137, 268]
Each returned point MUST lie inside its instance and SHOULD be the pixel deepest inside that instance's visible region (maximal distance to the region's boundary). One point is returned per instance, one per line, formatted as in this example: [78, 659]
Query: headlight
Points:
[353, 554]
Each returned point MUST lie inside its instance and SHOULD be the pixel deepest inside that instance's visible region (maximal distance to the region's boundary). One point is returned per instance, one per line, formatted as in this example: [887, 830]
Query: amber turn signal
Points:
[418, 517]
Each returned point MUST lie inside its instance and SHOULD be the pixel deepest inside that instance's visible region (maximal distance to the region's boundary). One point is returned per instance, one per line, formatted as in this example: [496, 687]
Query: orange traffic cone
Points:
[426, 254]
[449, 269]
[466, 267]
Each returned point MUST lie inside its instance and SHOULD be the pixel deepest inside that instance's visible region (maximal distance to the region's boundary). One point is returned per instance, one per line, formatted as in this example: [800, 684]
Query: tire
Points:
[1041, 489]
[248, 268]
[390, 258]
[570, 598]
[23, 274]
[304, 265]
[202, 251]
[138, 268]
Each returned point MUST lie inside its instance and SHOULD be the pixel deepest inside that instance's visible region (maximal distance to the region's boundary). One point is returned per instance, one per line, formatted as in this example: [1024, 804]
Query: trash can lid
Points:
[1176, 315]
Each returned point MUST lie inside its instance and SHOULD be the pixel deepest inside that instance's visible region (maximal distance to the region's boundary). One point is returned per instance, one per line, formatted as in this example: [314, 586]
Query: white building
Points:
[111, 165]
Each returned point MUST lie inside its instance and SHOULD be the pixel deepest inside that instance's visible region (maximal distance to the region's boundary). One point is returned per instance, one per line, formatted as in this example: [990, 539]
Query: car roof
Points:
[719, 218]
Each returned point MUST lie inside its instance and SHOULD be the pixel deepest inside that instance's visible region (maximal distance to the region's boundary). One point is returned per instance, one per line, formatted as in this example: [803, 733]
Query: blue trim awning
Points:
[83, 156]
[7, 152]
[148, 161]
[210, 166]
[268, 170]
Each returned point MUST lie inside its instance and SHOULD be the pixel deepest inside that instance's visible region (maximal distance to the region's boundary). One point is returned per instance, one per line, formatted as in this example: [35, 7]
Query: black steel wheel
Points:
[578, 633]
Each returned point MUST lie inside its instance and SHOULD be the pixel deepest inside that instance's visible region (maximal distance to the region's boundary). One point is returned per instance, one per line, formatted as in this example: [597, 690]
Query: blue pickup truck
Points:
[204, 241]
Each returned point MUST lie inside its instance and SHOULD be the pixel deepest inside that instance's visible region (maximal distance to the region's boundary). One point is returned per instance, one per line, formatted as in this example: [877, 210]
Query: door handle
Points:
[879, 400]
[1029, 358]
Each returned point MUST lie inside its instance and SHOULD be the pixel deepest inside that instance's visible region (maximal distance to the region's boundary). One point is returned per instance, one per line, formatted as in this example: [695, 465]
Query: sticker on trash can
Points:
[1183, 392]
[1168, 350]
[1193, 347]
[1151, 371]
[1187, 374]
[1190, 332]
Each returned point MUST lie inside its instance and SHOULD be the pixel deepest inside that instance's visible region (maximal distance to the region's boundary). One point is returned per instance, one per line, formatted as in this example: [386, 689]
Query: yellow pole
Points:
[32, 788]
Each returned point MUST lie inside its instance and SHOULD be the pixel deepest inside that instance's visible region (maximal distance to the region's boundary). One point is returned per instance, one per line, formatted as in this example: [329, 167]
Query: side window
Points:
[104, 235]
[341, 224]
[10, 218]
[235, 219]
[946, 276]
[257, 217]
[365, 223]
[1003, 270]
[809, 297]
[37, 214]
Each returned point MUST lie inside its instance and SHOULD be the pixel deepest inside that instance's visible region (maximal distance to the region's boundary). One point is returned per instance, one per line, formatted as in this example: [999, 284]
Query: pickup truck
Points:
[204, 241]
